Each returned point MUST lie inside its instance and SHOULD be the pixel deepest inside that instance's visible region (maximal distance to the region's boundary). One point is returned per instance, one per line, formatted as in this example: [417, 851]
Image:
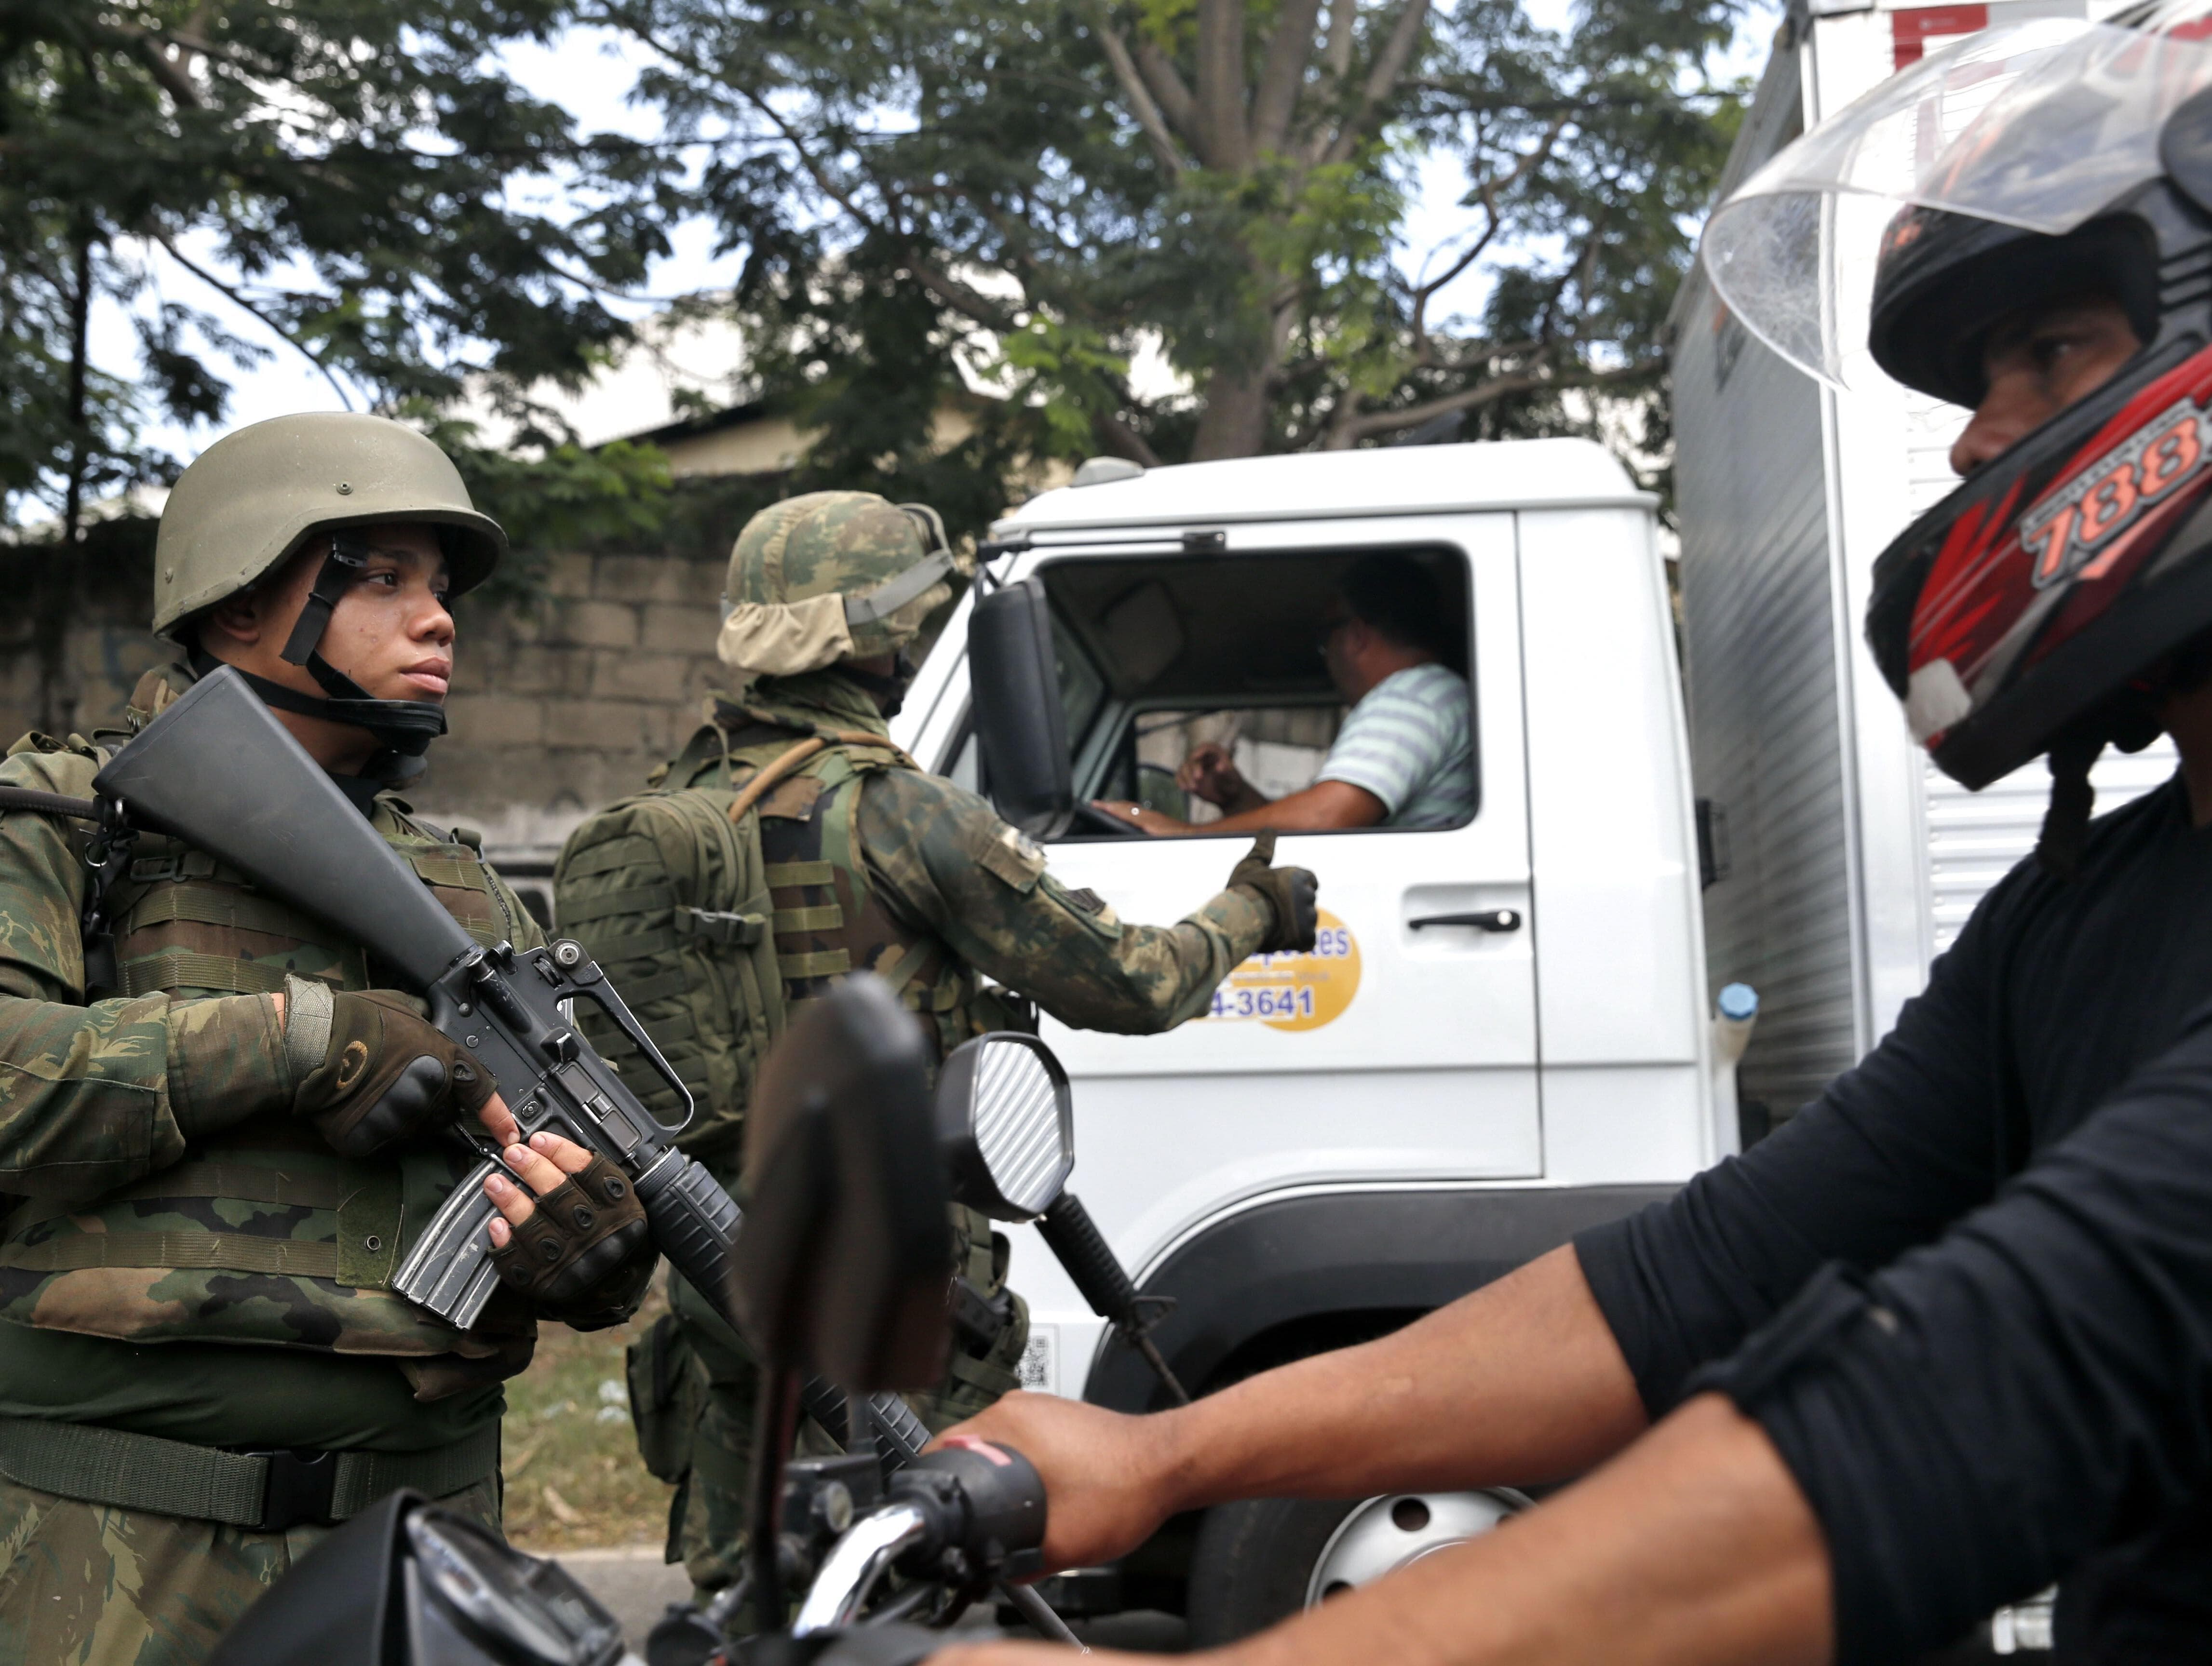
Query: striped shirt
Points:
[1408, 743]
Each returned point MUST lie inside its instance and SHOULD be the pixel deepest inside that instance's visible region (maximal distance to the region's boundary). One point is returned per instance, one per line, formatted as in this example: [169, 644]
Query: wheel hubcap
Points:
[1385, 1534]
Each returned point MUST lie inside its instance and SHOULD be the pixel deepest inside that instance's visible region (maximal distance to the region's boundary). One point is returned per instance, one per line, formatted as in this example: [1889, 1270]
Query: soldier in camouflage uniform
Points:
[873, 864]
[216, 1136]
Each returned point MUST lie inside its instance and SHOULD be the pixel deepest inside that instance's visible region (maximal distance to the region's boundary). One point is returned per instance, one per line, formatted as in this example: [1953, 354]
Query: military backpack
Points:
[668, 891]
[709, 924]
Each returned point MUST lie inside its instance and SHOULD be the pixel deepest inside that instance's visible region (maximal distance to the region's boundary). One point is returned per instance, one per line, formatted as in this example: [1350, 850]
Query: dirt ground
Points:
[573, 1476]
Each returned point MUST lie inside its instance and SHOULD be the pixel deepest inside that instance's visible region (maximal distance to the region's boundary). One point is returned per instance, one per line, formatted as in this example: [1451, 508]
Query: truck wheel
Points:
[1265, 1559]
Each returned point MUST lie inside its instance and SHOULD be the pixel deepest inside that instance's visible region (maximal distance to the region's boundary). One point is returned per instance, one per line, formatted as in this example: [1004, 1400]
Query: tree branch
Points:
[240, 299]
[1116, 439]
[1408, 417]
[1283, 75]
[1337, 54]
[149, 49]
[1142, 105]
[1382, 78]
[1489, 191]
[1223, 143]
[1175, 99]
[969, 302]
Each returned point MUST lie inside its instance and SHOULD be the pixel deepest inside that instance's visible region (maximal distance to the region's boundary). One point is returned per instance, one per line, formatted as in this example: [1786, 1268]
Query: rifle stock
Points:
[218, 771]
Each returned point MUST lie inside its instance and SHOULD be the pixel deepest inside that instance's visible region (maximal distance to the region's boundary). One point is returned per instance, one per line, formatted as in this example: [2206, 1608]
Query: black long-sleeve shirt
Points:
[2024, 1386]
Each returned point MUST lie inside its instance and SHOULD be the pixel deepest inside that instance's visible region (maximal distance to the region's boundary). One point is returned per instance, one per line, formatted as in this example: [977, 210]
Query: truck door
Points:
[1404, 1048]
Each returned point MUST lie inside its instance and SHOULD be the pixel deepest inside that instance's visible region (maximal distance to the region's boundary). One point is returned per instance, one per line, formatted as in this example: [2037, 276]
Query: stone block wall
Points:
[558, 707]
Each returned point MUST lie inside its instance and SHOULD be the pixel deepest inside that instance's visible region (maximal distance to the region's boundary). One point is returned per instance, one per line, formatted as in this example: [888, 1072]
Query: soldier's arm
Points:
[942, 859]
[94, 1096]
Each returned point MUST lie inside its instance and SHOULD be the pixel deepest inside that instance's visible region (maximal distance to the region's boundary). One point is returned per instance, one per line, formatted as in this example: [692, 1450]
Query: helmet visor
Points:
[2040, 125]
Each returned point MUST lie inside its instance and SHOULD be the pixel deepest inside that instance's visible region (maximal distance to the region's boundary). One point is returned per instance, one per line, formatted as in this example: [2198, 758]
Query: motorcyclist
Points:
[1947, 1335]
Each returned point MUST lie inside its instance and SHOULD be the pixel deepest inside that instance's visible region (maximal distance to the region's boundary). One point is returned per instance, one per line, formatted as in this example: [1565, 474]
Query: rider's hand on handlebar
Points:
[1106, 1476]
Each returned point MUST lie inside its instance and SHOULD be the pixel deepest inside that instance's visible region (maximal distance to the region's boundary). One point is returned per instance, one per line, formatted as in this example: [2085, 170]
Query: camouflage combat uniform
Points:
[184, 1259]
[870, 864]
[875, 865]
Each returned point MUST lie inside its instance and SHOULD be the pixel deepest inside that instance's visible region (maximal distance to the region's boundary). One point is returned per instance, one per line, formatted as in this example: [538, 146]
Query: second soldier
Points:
[869, 863]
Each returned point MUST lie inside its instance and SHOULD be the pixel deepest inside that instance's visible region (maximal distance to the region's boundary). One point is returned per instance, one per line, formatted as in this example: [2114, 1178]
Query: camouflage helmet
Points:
[251, 499]
[831, 576]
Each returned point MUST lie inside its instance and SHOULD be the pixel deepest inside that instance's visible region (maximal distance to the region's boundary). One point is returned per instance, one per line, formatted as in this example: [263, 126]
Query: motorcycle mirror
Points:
[843, 1262]
[1013, 675]
[1006, 1125]
[405, 1581]
[341, 1604]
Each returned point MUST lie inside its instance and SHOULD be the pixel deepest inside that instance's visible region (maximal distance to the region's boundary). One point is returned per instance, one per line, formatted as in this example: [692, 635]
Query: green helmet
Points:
[258, 495]
[254, 496]
[832, 576]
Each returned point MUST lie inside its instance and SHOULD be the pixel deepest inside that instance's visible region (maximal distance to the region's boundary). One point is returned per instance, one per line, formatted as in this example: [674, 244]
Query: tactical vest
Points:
[828, 921]
[261, 1234]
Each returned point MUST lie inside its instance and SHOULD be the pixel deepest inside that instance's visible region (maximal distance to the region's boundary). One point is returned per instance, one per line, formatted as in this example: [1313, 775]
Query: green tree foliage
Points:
[347, 179]
[1045, 188]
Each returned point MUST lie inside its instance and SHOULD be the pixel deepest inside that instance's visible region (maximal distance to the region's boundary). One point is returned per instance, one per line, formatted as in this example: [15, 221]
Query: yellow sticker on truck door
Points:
[1294, 991]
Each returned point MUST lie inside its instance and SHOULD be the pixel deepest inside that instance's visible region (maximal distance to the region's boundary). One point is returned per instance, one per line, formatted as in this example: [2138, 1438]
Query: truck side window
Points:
[1191, 651]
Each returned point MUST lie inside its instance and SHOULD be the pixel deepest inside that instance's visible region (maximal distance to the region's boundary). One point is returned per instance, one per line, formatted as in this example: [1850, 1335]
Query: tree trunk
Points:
[1235, 422]
[55, 593]
[80, 336]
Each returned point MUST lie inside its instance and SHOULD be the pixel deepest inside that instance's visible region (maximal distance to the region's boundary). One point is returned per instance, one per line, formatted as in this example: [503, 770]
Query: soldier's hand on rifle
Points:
[584, 1222]
[372, 1070]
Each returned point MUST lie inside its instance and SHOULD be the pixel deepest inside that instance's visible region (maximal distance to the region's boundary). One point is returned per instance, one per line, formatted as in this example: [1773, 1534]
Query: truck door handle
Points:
[1489, 920]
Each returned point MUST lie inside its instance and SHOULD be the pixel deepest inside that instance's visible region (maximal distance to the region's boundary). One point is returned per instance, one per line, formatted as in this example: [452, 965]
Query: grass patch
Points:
[574, 1478]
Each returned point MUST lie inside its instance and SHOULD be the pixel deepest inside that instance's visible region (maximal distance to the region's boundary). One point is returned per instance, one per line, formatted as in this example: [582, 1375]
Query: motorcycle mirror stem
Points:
[1006, 1125]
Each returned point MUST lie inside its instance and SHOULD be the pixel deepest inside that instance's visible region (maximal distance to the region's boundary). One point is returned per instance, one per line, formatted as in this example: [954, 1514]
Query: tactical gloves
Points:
[580, 1232]
[1291, 892]
[371, 1070]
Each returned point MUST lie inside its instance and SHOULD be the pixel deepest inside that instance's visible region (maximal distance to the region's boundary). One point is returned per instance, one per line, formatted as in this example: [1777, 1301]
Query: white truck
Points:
[1504, 1033]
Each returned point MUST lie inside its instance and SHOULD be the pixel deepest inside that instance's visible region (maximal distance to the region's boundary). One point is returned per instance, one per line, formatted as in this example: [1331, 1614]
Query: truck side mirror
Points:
[843, 1260]
[1006, 1125]
[1020, 723]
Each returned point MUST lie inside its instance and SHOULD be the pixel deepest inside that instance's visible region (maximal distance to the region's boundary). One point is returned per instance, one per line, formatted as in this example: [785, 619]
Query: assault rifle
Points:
[218, 771]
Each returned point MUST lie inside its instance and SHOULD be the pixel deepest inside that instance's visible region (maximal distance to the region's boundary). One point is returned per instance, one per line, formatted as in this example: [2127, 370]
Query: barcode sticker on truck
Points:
[1039, 1366]
[1293, 991]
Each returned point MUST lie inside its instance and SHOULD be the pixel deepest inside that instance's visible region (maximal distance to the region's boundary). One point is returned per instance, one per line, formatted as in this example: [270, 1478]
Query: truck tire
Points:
[1264, 1560]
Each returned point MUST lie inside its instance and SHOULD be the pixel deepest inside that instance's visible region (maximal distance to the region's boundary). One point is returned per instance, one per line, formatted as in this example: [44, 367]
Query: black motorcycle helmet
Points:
[2037, 608]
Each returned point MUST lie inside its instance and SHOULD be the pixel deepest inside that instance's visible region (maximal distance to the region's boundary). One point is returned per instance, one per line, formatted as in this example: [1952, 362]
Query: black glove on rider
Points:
[580, 1232]
[373, 1070]
[1291, 892]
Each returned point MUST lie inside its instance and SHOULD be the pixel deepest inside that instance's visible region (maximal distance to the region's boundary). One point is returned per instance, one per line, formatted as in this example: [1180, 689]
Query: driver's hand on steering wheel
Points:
[1150, 821]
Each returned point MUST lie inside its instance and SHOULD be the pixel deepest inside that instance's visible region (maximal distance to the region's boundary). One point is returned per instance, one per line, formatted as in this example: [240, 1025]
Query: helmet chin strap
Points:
[889, 692]
[404, 728]
[2066, 819]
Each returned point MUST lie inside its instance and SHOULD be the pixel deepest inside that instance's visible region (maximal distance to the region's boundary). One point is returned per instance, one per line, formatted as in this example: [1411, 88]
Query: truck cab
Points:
[1501, 1037]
